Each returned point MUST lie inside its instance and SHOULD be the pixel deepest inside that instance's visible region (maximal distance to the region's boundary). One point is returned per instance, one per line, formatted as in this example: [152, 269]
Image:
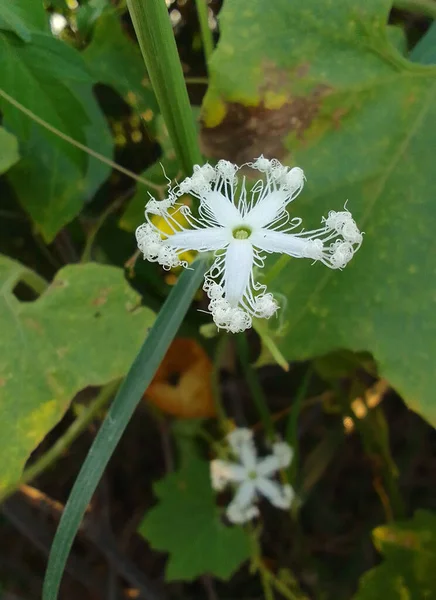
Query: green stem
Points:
[269, 580]
[220, 351]
[64, 442]
[254, 385]
[155, 36]
[33, 280]
[291, 435]
[75, 143]
[283, 588]
[266, 585]
[206, 33]
[196, 80]
[422, 7]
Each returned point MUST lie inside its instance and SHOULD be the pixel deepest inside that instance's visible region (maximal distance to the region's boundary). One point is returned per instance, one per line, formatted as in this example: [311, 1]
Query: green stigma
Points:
[241, 233]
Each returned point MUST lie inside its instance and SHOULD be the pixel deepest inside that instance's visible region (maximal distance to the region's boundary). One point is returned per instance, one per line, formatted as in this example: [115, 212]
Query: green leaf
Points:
[23, 16]
[39, 76]
[98, 138]
[187, 511]
[50, 186]
[55, 177]
[8, 150]
[115, 60]
[361, 120]
[425, 50]
[409, 550]
[84, 329]
[89, 13]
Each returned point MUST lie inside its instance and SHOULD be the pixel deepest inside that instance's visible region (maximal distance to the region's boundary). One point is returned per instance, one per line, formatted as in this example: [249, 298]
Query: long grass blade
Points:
[156, 39]
[130, 393]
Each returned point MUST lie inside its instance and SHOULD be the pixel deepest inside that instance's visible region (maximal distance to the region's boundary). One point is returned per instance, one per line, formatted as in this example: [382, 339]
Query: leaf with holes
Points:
[187, 511]
[84, 329]
[407, 571]
[344, 103]
[8, 150]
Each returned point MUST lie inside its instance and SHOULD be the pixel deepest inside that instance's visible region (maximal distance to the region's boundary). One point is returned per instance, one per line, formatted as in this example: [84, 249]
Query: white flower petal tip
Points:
[240, 227]
[238, 515]
[252, 476]
[284, 454]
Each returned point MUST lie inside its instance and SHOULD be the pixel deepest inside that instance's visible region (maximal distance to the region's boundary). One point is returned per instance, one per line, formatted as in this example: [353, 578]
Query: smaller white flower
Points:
[252, 476]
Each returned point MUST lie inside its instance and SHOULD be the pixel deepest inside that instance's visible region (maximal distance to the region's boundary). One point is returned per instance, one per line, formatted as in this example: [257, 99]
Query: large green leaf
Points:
[23, 16]
[409, 550]
[8, 150]
[54, 178]
[39, 75]
[321, 81]
[115, 60]
[50, 186]
[187, 511]
[84, 329]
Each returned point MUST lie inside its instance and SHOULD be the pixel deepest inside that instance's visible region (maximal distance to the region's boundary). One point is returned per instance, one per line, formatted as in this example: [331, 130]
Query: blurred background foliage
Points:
[346, 90]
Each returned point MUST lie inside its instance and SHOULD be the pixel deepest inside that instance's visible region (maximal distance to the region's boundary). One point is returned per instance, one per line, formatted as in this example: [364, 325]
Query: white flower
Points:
[252, 476]
[240, 230]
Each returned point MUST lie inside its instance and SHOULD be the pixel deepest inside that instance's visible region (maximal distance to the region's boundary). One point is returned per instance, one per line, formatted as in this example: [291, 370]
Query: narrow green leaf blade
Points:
[156, 40]
[141, 373]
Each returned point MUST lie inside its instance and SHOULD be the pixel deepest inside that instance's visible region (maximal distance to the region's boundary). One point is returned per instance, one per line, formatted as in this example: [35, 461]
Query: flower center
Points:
[241, 233]
[252, 475]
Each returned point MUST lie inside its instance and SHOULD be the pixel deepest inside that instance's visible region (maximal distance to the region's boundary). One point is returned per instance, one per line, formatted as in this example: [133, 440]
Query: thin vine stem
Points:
[291, 435]
[254, 385]
[220, 351]
[55, 452]
[77, 144]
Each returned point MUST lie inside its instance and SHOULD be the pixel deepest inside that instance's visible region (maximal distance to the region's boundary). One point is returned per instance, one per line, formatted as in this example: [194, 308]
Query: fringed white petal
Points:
[276, 241]
[266, 210]
[203, 240]
[221, 209]
[237, 270]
